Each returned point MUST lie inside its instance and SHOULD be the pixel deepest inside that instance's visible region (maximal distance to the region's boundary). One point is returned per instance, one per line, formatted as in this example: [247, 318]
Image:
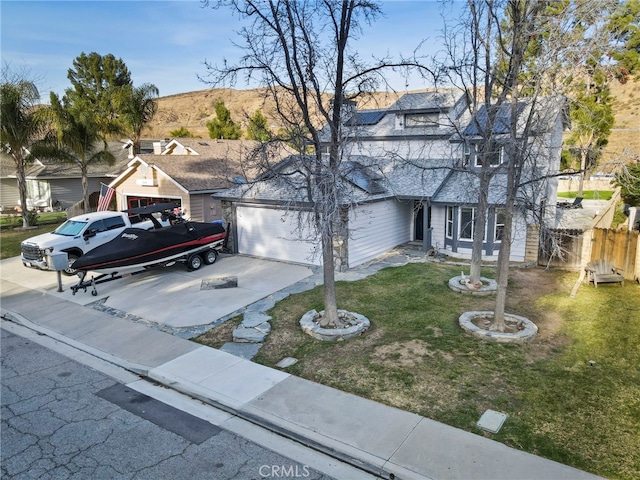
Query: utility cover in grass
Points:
[492, 421]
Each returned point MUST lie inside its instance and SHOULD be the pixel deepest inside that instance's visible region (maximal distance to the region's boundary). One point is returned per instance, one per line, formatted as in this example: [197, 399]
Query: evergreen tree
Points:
[258, 128]
[222, 126]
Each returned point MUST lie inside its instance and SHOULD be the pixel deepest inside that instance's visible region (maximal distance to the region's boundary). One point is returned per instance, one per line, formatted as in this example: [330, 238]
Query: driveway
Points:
[172, 296]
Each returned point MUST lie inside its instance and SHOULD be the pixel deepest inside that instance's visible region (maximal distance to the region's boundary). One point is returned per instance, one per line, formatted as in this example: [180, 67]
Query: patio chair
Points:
[602, 271]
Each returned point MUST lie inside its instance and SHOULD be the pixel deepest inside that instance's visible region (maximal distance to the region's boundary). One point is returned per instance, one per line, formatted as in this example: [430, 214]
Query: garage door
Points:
[273, 233]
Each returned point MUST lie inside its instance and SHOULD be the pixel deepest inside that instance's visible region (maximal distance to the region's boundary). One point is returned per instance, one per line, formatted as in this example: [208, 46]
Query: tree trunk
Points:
[502, 280]
[85, 187]
[583, 171]
[330, 317]
[22, 189]
[479, 226]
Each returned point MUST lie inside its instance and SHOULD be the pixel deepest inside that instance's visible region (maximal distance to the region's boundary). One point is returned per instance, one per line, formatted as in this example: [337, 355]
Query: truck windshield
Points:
[70, 228]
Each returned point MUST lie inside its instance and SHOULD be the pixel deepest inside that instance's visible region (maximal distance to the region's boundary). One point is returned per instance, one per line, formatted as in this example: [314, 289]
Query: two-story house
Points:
[408, 174]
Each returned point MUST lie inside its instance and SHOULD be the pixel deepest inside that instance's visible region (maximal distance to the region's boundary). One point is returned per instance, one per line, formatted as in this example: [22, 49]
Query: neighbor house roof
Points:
[46, 169]
[206, 165]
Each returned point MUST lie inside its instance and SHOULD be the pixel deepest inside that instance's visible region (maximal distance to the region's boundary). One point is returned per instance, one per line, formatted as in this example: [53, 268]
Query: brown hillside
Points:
[193, 110]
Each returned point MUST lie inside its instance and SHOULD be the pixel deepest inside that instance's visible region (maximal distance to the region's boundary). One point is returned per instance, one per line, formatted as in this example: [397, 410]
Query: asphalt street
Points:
[64, 420]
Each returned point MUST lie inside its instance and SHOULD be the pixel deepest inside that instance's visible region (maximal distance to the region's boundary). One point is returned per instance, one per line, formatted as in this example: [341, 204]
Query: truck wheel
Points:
[210, 257]
[194, 262]
[70, 271]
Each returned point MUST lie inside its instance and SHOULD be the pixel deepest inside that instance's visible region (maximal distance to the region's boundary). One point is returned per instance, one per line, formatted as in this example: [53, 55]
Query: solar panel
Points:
[366, 118]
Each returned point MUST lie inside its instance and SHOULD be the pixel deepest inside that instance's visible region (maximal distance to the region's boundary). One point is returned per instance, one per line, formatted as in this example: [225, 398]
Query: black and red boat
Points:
[193, 243]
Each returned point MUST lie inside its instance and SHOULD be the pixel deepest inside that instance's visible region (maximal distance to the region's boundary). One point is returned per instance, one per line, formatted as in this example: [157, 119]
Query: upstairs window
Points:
[415, 120]
[496, 157]
[500, 219]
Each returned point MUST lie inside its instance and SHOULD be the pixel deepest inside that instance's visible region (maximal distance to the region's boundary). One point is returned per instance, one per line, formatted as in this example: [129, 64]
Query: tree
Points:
[76, 132]
[624, 27]
[181, 132]
[222, 126]
[136, 106]
[258, 128]
[628, 179]
[301, 51]
[21, 128]
[97, 82]
[517, 59]
[591, 121]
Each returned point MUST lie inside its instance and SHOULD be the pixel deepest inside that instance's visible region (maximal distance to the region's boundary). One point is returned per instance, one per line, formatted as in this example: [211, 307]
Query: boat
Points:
[194, 243]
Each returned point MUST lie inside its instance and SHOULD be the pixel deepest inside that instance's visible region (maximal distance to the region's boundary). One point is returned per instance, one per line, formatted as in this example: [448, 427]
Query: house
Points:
[55, 185]
[408, 174]
[187, 171]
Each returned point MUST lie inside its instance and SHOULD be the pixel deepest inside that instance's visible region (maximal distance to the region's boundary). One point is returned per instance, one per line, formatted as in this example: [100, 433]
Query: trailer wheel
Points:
[210, 257]
[194, 262]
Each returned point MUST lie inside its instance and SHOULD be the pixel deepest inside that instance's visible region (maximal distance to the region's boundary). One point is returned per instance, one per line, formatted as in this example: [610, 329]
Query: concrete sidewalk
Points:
[379, 439]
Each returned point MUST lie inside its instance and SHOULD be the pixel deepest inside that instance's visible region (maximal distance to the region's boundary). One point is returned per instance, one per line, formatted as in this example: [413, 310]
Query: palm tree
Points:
[76, 132]
[136, 107]
[21, 129]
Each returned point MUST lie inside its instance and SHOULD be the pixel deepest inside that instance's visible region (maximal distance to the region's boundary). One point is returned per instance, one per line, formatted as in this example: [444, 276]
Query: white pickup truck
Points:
[78, 235]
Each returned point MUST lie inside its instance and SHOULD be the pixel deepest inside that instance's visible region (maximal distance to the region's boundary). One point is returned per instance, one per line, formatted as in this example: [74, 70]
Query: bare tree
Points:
[517, 60]
[301, 52]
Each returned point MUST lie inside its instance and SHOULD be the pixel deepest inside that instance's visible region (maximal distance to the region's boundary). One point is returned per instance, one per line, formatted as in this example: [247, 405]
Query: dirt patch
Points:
[403, 354]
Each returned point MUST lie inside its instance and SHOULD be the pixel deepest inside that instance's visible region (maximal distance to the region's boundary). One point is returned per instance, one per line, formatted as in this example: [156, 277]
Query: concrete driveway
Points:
[172, 296]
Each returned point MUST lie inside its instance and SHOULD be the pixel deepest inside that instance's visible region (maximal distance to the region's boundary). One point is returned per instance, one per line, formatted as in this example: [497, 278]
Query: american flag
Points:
[106, 194]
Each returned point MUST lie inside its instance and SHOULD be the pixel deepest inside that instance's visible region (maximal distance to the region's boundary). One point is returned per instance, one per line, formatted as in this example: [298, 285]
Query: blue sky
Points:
[167, 42]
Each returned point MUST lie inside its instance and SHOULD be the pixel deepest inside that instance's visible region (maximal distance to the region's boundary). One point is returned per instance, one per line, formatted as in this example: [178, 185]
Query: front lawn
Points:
[415, 357]
[589, 194]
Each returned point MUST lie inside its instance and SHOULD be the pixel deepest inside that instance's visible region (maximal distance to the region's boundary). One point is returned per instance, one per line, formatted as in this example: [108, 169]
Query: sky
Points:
[167, 42]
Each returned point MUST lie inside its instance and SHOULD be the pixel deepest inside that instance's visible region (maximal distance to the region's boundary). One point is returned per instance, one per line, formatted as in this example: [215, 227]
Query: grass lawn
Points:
[589, 194]
[415, 357]
[10, 238]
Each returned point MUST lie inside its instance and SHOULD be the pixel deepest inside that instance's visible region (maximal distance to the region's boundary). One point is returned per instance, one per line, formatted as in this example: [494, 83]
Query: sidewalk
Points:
[381, 440]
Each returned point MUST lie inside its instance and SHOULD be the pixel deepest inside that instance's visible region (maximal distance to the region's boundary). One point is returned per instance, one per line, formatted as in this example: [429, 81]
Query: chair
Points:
[602, 271]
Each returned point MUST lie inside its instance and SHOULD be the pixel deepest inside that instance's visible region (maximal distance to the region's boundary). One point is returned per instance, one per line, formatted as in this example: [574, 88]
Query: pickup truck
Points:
[78, 235]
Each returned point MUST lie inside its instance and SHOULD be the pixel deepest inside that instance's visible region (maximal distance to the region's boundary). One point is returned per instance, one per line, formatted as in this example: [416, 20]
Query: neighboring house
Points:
[407, 177]
[187, 172]
[55, 185]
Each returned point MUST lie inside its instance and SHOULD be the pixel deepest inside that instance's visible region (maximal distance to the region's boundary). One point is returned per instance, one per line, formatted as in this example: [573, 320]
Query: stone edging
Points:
[333, 334]
[489, 286]
[526, 335]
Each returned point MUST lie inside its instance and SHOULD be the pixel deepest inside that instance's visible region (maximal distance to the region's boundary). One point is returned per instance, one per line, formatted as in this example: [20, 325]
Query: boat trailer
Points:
[194, 259]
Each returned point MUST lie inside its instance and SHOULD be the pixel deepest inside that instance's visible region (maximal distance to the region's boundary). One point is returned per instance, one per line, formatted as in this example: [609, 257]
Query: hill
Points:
[192, 110]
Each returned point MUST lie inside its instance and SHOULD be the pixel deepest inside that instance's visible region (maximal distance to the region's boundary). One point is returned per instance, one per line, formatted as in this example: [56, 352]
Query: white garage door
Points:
[272, 233]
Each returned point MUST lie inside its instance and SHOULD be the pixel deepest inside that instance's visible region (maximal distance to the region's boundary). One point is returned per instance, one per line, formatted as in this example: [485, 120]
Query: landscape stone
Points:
[251, 335]
[253, 319]
[242, 350]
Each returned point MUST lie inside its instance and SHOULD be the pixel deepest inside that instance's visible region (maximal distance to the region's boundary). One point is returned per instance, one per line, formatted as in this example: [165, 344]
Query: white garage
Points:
[278, 234]
[374, 228]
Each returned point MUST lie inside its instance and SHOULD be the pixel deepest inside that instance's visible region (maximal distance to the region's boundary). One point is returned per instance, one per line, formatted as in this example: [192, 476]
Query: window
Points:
[496, 157]
[413, 120]
[449, 226]
[467, 217]
[97, 226]
[114, 222]
[466, 154]
[499, 231]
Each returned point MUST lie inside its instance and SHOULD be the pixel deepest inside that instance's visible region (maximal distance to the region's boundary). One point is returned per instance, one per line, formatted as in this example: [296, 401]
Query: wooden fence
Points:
[620, 247]
[573, 249]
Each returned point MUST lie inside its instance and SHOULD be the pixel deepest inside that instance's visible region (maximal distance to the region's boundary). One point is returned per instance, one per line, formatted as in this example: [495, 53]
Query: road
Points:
[63, 419]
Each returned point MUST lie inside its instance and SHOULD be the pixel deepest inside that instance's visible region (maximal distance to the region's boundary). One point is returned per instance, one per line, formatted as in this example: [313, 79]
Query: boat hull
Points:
[137, 248]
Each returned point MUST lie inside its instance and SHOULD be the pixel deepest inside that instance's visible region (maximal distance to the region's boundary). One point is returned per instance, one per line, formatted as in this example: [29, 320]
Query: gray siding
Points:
[376, 228]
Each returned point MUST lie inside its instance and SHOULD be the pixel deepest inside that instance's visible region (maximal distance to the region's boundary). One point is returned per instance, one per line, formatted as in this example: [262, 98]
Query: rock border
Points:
[526, 335]
[310, 327]
[489, 286]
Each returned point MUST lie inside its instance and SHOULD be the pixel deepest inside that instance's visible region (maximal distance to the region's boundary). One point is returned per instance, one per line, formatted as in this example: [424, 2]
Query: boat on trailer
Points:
[136, 250]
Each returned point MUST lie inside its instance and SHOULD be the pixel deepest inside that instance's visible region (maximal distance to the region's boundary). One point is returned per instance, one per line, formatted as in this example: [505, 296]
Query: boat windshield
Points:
[70, 228]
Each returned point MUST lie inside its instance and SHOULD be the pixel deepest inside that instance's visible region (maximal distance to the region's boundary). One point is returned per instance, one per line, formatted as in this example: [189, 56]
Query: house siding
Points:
[9, 196]
[128, 187]
[376, 228]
